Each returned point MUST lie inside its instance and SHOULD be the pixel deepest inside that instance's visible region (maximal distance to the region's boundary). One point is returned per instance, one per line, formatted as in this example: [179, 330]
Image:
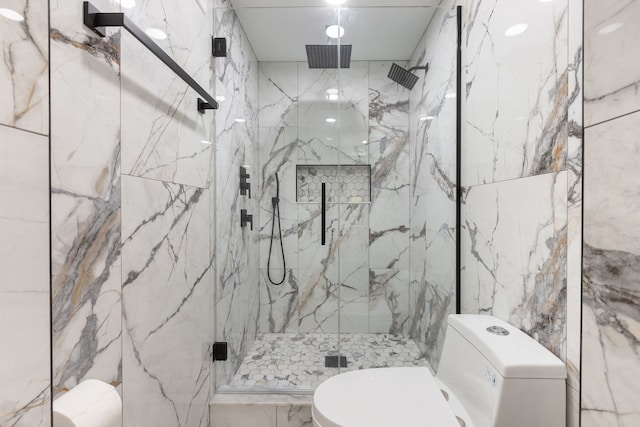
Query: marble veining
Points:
[85, 201]
[611, 59]
[517, 129]
[24, 68]
[165, 284]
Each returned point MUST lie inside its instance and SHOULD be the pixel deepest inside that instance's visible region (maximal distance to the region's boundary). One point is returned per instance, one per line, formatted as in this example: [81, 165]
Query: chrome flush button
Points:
[497, 330]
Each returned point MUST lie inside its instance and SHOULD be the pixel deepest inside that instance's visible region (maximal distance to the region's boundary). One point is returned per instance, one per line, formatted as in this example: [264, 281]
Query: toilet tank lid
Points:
[515, 355]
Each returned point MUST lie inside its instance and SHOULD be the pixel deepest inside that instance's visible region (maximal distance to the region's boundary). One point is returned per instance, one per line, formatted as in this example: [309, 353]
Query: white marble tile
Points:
[24, 69]
[514, 253]
[318, 270]
[611, 69]
[516, 90]
[279, 303]
[166, 267]
[243, 415]
[294, 416]
[85, 199]
[610, 287]
[24, 211]
[25, 396]
[163, 135]
[278, 94]
[389, 301]
[388, 101]
[23, 175]
[277, 153]
[340, 141]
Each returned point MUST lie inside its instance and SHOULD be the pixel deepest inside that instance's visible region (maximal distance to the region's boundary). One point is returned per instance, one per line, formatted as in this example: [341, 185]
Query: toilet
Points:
[491, 374]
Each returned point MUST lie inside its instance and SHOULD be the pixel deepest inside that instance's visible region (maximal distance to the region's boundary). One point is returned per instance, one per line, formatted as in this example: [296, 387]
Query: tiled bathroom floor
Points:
[296, 361]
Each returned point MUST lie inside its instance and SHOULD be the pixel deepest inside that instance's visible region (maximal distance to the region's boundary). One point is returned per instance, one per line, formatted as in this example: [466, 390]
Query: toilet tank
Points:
[502, 376]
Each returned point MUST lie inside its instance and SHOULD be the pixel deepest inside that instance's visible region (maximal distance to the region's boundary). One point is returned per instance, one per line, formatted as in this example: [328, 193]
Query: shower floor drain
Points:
[335, 361]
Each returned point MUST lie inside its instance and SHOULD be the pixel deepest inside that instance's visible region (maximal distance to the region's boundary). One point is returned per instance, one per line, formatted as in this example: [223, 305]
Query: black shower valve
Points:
[245, 185]
[245, 219]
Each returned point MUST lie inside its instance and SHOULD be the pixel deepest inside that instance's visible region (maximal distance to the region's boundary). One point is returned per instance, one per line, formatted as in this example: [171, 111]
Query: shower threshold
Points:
[296, 362]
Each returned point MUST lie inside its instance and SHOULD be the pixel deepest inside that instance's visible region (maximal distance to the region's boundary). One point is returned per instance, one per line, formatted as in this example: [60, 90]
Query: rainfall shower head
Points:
[405, 77]
[326, 55]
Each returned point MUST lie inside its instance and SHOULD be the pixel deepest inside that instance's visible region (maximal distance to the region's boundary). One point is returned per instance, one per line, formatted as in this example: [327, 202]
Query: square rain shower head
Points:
[402, 76]
[326, 55]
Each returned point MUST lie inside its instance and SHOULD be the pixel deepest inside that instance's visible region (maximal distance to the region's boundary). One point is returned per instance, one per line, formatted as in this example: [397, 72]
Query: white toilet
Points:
[491, 374]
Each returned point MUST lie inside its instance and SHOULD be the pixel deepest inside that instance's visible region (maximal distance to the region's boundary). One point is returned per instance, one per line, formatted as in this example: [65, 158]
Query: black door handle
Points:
[324, 214]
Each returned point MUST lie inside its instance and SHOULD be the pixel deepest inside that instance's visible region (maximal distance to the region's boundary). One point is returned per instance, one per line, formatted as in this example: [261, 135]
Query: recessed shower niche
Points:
[344, 184]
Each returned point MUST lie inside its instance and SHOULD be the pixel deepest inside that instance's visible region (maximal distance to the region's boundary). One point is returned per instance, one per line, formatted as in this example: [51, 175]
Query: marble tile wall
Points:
[237, 302]
[611, 284]
[131, 170]
[522, 172]
[25, 378]
[432, 185]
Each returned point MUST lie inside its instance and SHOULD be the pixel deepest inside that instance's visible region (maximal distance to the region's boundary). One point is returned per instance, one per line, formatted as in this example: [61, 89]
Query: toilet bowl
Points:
[491, 374]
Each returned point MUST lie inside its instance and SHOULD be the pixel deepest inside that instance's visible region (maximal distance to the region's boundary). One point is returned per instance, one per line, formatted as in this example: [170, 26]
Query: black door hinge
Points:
[219, 351]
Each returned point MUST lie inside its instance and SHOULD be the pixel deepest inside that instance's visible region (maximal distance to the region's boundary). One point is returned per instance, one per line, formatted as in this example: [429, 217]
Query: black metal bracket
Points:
[245, 185]
[219, 47]
[245, 219]
[220, 351]
[98, 23]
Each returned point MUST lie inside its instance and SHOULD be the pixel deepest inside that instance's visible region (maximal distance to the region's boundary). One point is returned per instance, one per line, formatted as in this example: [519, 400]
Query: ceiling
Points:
[377, 30]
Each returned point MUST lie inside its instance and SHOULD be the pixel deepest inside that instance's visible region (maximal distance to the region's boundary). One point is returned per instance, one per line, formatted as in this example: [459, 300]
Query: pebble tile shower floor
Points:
[296, 361]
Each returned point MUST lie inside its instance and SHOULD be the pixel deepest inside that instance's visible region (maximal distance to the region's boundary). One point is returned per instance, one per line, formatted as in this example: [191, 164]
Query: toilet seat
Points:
[407, 397]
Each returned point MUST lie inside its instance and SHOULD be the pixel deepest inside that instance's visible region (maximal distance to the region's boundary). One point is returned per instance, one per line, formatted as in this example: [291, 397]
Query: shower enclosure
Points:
[367, 191]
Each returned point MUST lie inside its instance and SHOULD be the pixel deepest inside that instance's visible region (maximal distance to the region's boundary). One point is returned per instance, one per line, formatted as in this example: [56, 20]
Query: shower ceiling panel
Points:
[376, 33]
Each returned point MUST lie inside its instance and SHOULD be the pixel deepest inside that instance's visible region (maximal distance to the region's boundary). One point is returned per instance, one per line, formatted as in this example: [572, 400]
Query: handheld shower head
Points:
[405, 77]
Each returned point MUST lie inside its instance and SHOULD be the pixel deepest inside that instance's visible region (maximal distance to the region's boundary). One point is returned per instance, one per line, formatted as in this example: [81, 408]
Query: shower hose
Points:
[275, 202]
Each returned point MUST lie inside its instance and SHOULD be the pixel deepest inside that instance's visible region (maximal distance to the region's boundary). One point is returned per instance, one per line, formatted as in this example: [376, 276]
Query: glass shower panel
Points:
[166, 162]
[397, 252]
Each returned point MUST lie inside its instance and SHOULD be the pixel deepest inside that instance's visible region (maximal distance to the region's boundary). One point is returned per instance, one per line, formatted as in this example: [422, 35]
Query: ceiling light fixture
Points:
[156, 33]
[516, 30]
[127, 4]
[330, 120]
[334, 31]
[365, 141]
[335, 2]
[608, 29]
[240, 120]
[11, 14]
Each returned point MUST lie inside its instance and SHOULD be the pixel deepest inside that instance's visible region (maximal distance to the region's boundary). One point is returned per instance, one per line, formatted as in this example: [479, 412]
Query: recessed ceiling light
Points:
[221, 98]
[365, 141]
[334, 31]
[450, 95]
[330, 120]
[156, 33]
[332, 91]
[11, 14]
[128, 4]
[336, 2]
[240, 120]
[608, 29]
[329, 138]
[516, 29]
